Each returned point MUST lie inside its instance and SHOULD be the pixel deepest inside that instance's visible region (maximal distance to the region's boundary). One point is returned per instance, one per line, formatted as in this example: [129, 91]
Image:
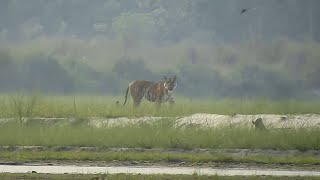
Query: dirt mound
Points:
[121, 121]
[207, 120]
[198, 119]
[270, 120]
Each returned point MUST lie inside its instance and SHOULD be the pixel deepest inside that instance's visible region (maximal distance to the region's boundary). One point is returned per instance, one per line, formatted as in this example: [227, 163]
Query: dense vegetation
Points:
[99, 46]
[161, 20]
[294, 75]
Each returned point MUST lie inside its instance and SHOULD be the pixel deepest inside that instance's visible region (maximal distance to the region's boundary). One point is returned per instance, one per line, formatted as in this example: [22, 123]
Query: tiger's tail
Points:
[125, 100]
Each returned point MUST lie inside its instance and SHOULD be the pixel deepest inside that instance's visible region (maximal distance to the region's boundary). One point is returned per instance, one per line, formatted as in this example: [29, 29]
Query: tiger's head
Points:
[170, 83]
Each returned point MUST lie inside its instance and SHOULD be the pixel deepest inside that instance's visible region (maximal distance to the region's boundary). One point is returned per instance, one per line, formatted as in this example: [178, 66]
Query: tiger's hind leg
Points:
[136, 93]
[136, 103]
[137, 98]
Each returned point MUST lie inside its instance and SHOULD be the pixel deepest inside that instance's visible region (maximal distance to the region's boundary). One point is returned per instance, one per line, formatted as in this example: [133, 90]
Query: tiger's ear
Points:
[165, 77]
[174, 77]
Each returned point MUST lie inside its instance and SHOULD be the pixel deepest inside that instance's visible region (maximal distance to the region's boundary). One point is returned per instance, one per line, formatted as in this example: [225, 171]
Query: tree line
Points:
[47, 75]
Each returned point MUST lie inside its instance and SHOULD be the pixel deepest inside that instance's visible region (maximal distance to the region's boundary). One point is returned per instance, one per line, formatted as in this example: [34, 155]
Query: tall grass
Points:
[161, 133]
[105, 106]
[155, 156]
[23, 105]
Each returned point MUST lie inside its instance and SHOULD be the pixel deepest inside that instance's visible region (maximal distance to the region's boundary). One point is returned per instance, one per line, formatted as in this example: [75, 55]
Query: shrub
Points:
[133, 69]
[45, 74]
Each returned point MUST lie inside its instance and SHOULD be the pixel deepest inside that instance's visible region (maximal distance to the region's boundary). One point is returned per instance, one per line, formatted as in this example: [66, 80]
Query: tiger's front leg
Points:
[171, 103]
[171, 100]
[158, 101]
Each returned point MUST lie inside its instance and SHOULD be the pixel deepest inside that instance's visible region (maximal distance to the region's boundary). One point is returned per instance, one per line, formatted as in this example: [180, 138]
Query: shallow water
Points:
[152, 170]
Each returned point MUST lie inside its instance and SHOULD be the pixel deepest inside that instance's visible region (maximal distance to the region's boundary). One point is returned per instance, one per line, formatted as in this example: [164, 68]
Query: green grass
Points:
[105, 106]
[145, 177]
[161, 133]
[188, 158]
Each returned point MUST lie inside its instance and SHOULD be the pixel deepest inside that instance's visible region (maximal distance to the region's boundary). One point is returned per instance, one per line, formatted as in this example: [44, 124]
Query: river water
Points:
[152, 170]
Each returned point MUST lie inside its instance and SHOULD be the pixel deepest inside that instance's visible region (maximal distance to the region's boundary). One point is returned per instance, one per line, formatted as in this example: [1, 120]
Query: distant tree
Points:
[47, 75]
[196, 80]
[8, 72]
[133, 70]
[253, 81]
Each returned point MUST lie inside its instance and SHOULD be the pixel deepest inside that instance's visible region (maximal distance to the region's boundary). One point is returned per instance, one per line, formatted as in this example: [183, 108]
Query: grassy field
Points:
[161, 133]
[144, 177]
[155, 157]
[19, 104]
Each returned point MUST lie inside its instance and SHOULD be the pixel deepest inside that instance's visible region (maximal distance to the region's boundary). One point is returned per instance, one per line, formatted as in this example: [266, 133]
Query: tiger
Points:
[158, 92]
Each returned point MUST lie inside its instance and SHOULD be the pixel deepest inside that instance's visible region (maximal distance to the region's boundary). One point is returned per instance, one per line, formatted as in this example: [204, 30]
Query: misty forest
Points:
[216, 48]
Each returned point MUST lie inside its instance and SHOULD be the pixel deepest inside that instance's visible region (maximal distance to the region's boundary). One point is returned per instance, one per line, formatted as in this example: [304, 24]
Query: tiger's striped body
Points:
[158, 92]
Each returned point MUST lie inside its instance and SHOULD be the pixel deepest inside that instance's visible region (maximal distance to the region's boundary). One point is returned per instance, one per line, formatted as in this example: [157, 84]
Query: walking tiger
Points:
[158, 92]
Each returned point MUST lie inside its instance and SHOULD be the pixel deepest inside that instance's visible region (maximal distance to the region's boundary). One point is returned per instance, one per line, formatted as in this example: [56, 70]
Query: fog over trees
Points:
[98, 46]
